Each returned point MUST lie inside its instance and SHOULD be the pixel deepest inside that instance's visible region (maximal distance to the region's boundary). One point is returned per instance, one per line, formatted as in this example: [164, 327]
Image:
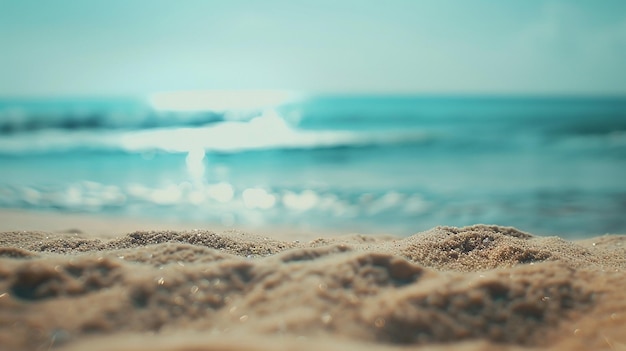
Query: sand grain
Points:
[479, 287]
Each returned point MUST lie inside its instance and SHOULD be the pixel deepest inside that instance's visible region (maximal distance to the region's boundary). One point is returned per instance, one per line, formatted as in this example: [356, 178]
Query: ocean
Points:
[344, 163]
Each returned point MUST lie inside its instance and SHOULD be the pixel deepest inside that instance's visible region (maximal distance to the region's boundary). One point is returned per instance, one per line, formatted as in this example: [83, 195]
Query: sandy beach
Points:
[473, 288]
[323, 175]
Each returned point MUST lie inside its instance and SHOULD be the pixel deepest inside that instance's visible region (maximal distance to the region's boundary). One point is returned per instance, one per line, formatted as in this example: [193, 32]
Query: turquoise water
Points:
[393, 164]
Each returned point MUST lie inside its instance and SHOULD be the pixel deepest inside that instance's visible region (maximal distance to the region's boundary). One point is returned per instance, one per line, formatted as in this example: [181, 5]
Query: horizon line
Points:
[317, 94]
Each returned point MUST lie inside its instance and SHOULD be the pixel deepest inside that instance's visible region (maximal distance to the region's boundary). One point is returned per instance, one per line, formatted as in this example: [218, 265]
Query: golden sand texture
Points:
[472, 288]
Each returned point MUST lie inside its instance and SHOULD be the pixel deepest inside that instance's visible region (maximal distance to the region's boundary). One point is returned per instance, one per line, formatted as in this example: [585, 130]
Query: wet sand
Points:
[472, 288]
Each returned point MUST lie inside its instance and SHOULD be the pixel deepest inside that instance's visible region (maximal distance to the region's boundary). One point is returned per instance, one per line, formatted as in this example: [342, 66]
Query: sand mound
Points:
[479, 287]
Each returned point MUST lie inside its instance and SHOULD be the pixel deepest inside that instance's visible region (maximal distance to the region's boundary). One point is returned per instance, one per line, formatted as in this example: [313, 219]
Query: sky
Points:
[122, 47]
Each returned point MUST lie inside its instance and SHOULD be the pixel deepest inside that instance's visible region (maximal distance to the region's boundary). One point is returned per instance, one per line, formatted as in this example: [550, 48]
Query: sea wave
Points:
[268, 131]
[18, 119]
[550, 116]
[455, 125]
[183, 109]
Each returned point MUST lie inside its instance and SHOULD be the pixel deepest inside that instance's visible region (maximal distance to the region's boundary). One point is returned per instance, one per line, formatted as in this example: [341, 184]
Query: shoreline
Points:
[110, 226]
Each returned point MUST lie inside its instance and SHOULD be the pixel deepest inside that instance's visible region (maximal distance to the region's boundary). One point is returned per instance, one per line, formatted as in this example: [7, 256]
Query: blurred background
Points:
[341, 116]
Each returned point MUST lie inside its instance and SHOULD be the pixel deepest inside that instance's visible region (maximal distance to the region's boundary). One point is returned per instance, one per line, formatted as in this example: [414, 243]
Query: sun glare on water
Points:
[219, 100]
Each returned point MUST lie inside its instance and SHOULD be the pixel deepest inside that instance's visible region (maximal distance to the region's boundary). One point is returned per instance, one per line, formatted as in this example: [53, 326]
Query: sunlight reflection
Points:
[196, 197]
[195, 164]
[258, 198]
[301, 202]
[170, 195]
[219, 100]
[221, 192]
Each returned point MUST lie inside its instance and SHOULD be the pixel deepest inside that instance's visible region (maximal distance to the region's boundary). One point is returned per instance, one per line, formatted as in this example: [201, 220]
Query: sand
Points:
[472, 288]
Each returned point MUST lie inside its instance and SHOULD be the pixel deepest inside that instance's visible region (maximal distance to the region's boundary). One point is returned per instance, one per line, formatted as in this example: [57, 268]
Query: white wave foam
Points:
[264, 132]
[268, 131]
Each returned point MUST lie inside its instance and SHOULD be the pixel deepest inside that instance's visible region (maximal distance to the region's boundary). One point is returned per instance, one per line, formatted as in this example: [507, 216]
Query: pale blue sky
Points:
[119, 47]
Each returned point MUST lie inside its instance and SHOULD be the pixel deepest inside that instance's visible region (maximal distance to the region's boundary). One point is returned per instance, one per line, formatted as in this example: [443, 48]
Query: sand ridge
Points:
[478, 287]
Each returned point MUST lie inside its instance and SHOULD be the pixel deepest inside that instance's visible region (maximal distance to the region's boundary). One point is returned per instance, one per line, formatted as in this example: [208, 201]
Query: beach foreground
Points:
[472, 288]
